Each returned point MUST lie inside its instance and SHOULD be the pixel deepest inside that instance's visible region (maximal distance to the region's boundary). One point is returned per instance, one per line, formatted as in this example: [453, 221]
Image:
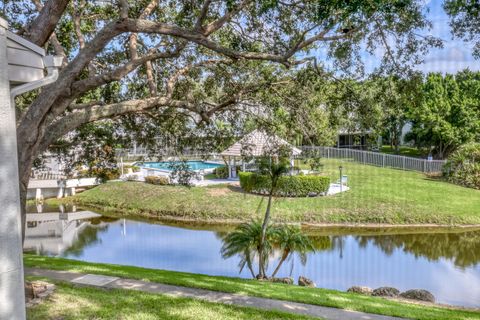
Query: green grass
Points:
[323, 297]
[377, 196]
[405, 151]
[73, 302]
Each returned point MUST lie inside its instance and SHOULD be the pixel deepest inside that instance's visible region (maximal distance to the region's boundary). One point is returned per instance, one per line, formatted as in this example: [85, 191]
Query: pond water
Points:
[447, 263]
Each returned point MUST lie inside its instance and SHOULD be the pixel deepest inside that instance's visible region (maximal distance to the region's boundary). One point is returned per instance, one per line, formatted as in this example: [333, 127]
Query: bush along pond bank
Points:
[288, 186]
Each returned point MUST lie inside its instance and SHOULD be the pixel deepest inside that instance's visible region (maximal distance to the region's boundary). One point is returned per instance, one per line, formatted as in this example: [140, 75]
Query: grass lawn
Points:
[405, 151]
[73, 302]
[315, 296]
[377, 196]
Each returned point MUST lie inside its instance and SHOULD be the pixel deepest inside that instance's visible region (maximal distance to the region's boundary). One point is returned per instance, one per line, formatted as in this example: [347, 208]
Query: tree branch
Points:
[133, 39]
[98, 112]
[203, 15]
[41, 28]
[53, 40]
[217, 24]
[81, 86]
[123, 5]
[77, 23]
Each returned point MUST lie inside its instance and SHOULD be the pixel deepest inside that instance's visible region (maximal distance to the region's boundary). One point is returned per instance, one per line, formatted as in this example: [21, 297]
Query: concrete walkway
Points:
[212, 296]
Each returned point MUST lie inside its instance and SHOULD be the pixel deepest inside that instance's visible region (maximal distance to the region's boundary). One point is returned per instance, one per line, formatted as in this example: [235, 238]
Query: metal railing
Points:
[46, 175]
[375, 158]
[142, 154]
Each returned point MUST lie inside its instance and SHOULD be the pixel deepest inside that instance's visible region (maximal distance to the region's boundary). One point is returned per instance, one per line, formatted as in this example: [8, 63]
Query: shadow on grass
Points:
[72, 302]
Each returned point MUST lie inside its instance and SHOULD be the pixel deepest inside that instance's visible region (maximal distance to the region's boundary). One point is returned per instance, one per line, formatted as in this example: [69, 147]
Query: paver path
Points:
[213, 296]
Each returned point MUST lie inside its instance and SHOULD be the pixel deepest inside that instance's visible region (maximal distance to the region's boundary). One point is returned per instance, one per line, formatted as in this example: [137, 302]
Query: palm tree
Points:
[274, 168]
[245, 241]
[290, 239]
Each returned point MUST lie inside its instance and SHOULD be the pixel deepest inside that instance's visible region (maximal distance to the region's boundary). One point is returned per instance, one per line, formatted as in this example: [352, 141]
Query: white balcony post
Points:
[12, 292]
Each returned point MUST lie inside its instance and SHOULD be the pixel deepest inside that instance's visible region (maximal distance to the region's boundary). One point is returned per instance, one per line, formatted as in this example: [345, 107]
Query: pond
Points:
[447, 263]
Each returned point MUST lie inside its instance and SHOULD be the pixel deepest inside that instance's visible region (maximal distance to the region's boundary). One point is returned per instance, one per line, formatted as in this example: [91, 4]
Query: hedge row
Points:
[290, 186]
[158, 180]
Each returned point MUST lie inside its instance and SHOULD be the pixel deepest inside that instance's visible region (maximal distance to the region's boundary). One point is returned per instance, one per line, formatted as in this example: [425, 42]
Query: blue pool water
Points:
[194, 165]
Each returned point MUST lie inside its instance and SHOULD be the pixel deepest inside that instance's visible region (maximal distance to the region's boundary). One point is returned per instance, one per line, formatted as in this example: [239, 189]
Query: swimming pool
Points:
[194, 165]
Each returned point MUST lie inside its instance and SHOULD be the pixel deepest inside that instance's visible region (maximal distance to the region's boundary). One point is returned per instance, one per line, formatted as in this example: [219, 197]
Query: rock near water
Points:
[386, 292]
[361, 290]
[418, 294]
[285, 280]
[305, 282]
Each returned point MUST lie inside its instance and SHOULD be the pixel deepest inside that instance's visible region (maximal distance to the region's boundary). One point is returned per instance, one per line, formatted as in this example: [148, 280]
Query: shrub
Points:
[157, 180]
[134, 168]
[463, 166]
[181, 174]
[221, 172]
[290, 186]
[102, 174]
[132, 177]
[315, 164]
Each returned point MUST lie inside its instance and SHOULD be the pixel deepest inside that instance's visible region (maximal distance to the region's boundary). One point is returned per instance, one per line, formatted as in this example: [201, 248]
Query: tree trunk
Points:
[24, 168]
[266, 220]
[284, 257]
[249, 266]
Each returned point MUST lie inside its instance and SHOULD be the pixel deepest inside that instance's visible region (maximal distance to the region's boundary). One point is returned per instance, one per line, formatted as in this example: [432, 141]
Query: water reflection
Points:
[446, 263]
[463, 248]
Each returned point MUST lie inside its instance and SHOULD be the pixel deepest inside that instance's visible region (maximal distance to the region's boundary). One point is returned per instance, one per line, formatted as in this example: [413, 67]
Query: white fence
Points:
[142, 154]
[46, 175]
[375, 158]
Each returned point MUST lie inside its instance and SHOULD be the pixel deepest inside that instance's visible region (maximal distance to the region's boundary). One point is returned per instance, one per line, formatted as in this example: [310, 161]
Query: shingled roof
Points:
[258, 143]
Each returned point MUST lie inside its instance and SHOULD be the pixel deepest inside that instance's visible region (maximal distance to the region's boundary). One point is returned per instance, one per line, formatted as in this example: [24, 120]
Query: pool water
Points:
[194, 165]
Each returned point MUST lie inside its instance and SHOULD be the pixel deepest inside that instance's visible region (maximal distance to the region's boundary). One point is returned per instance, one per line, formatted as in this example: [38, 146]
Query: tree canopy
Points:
[464, 21]
[176, 59]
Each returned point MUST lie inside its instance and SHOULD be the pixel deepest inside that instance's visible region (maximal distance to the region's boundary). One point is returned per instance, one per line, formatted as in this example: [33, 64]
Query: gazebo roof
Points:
[258, 143]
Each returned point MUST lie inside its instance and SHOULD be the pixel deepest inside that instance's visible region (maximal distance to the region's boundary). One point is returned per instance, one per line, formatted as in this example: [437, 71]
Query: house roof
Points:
[258, 143]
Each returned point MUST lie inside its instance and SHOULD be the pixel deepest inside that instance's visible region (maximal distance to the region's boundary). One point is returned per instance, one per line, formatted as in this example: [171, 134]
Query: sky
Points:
[455, 55]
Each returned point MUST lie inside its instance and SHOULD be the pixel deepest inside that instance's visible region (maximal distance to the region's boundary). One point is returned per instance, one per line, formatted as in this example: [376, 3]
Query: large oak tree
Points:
[159, 44]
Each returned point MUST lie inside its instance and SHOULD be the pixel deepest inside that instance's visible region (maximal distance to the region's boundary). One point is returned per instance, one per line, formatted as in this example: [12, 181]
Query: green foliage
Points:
[463, 166]
[157, 180]
[449, 114]
[134, 168]
[221, 172]
[91, 146]
[290, 186]
[396, 96]
[464, 21]
[315, 163]
[181, 174]
[245, 241]
[290, 240]
[246, 238]
[101, 173]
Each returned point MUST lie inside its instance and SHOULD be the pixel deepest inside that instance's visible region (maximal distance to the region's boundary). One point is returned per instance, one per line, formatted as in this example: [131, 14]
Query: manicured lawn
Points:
[405, 151]
[316, 296]
[377, 195]
[72, 302]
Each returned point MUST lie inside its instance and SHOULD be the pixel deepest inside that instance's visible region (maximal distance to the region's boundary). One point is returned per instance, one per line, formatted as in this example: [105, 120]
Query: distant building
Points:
[356, 139]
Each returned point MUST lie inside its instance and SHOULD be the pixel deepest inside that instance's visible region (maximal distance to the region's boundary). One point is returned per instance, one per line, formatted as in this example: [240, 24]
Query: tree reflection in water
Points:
[89, 236]
[463, 248]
